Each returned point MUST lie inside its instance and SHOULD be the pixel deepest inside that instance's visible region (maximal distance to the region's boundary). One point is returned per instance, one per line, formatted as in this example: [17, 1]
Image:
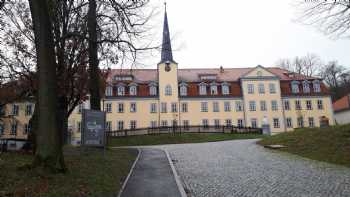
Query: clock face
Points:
[167, 68]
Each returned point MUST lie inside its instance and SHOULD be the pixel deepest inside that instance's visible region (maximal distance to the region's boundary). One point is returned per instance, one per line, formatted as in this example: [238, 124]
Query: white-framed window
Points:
[309, 105]
[320, 104]
[252, 106]
[26, 129]
[153, 124]
[300, 121]
[120, 124]
[109, 126]
[205, 123]
[306, 86]
[225, 88]
[213, 89]
[261, 88]
[79, 127]
[228, 122]
[186, 123]
[317, 86]
[108, 107]
[202, 89]
[132, 124]
[250, 88]
[163, 108]
[133, 108]
[240, 123]
[295, 87]
[227, 106]
[168, 91]
[121, 90]
[29, 109]
[276, 123]
[272, 88]
[15, 109]
[183, 90]
[217, 123]
[311, 122]
[14, 128]
[153, 107]
[263, 106]
[216, 107]
[173, 107]
[133, 90]
[164, 123]
[286, 105]
[184, 107]
[297, 105]
[120, 108]
[204, 107]
[289, 123]
[239, 106]
[274, 105]
[153, 90]
[109, 91]
[254, 123]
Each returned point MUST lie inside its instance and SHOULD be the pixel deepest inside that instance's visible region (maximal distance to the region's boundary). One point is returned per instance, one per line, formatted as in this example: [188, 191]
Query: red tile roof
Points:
[192, 75]
[342, 104]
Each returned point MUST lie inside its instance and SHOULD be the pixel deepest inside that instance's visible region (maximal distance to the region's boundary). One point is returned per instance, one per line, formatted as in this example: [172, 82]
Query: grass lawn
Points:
[177, 138]
[327, 144]
[89, 174]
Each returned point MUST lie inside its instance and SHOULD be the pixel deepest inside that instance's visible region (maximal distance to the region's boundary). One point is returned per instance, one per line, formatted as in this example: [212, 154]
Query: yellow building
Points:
[166, 96]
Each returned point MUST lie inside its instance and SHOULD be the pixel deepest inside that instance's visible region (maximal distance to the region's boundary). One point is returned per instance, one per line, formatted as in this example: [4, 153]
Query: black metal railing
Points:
[184, 129]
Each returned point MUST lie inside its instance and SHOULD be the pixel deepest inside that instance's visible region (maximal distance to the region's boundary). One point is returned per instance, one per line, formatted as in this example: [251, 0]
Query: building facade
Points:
[171, 96]
[342, 110]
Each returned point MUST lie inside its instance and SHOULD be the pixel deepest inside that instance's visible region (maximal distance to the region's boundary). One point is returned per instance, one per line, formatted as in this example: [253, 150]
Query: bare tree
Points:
[330, 17]
[48, 152]
[307, 65]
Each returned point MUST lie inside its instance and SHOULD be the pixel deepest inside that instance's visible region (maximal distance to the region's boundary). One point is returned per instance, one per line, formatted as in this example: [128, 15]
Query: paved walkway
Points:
[242, 168]
[152, 176]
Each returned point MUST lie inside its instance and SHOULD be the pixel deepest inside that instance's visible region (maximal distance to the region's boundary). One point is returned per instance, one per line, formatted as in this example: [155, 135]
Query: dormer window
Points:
[225, 88]
[152, 89]
[202, 88]
[168, 91]
[121, 89]
[133, 89]
[295, 87]
[109, 91]
[306, 86]
[213, 88]
[317, 86]
[183, 89]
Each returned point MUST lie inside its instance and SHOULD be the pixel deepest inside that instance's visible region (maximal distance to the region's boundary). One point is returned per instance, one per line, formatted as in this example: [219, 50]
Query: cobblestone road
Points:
[242, 168]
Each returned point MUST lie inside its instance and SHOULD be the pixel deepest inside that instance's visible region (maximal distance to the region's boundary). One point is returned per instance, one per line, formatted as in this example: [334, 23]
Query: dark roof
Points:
[167, 54]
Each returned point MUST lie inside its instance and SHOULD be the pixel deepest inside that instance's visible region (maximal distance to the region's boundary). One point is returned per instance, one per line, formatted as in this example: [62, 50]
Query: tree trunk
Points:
[63, 119]
[48, 152]
[94, 81]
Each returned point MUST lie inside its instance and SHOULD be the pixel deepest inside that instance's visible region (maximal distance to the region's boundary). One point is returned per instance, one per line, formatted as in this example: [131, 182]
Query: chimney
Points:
[221, 69]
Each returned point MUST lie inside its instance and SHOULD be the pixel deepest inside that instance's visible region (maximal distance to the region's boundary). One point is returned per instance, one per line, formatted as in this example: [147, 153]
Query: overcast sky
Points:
[241, 33]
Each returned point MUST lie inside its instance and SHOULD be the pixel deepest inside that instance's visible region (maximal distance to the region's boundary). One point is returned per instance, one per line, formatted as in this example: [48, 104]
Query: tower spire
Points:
[167, 53]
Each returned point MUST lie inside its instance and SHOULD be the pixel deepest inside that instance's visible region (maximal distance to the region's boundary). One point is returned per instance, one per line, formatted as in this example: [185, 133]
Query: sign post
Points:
[94, 134]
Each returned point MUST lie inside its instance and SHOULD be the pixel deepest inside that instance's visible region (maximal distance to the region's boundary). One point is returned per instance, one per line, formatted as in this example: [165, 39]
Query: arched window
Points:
[121, 89]
[295, 87]
[306, 86]
[183, 89]
[133, 89]
[202, 88]
[109, 91]
[317, 86]
[213, 88]
[168, 91]
[152, 88]
[225, 88]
